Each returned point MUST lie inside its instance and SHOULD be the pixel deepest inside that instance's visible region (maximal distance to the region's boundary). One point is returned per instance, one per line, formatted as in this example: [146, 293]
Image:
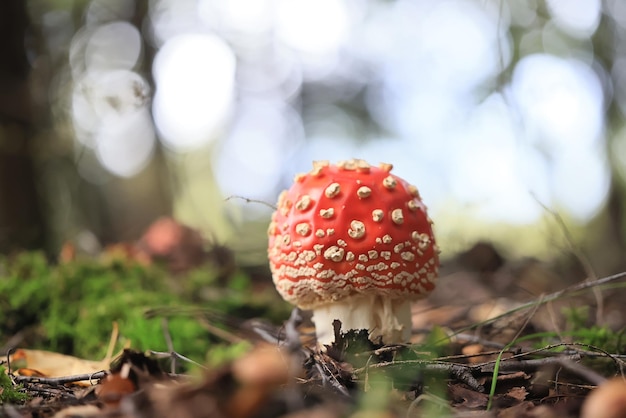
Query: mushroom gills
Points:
[380, 315]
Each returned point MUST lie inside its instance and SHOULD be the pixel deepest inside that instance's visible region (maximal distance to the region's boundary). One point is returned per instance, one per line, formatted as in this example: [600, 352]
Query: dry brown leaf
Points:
[50, 364]
[41, 363]
[518, 392]
[467, 398]
[78, 411]
[113, 388]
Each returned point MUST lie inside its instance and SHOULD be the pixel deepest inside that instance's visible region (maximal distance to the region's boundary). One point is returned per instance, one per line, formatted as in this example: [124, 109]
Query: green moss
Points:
[581, 332]
[8, 392]
[71, 308]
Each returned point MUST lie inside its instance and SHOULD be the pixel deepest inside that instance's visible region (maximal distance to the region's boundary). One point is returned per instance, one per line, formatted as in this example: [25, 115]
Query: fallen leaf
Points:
[78, 411]
[113, 388]
[467, 398]
[518, 393]
[41, 363]
[50, 364]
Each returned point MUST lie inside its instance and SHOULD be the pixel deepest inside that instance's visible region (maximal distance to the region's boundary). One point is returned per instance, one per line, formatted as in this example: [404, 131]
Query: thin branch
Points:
[329, 378]
[564, 360]
[549, 298]
[54, 381]
[174, 354]
[514, 364]
[586, 373]
[580, 255]
[292, 335]
[248, 200]
[461, 371]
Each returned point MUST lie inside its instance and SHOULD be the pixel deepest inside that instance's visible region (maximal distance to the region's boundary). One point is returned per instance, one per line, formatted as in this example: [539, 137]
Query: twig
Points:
[169, 342]
[331, 379]
[218, 332]
[174, 354]
[461, 371]
[441, 403]
[586, 373]
[584, 260]
[514, 364]
[115, 332]
[464, 375]
[616, 358]
[8, 360]
[248, 200]
[568, 362]
[255, 328]
[292, 335]
[548, 298]
[328, 377]
[56, 392]
[53, 381]
[469, 356]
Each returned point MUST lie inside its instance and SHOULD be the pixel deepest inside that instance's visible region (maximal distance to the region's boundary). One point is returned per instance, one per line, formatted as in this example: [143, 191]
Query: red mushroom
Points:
[353, 242]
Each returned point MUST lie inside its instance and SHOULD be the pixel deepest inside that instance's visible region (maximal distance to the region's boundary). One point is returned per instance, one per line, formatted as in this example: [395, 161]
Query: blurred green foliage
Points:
[579, 331]
[221, 354]
[600, 336]
[71, 307]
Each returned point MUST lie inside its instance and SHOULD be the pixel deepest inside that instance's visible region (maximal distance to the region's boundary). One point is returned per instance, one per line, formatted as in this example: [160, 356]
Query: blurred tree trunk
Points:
[98, 208]
[132, 204]
[21, 221]
[609, 45]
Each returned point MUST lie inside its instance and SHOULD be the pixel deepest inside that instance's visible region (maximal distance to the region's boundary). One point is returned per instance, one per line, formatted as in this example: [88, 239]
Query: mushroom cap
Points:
[351, 228]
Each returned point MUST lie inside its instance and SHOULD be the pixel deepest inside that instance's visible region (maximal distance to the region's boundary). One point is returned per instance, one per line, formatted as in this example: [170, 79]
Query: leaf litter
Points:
[496, 358]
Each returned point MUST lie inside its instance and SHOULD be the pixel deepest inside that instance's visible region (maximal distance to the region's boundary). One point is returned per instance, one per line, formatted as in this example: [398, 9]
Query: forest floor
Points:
[497, 338]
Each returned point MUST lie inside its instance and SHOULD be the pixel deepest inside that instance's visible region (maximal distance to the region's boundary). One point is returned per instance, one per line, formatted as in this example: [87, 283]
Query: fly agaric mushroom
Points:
[353, 242]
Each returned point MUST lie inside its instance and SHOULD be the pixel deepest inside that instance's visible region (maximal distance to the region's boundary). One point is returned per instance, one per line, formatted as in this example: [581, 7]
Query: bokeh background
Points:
[508, 115]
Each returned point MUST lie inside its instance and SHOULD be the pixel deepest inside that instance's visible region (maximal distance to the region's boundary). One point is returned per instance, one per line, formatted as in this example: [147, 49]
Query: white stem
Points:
[382, 317]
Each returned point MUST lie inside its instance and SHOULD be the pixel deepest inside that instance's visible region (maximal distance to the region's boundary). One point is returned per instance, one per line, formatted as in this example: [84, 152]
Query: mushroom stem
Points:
[381, 316]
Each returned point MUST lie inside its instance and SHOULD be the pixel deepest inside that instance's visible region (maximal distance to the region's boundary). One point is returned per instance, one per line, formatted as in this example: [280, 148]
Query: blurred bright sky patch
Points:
[227, 72]
[194, 92]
